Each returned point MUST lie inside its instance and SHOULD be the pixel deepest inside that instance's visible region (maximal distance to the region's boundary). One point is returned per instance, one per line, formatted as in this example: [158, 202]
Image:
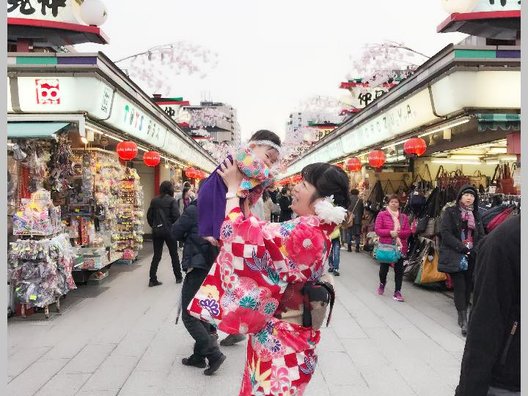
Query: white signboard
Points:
[62, 95]
[497, 5]
[66, 11]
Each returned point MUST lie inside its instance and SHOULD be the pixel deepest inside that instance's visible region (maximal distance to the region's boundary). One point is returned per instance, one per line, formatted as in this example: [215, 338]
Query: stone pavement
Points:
[119, 338]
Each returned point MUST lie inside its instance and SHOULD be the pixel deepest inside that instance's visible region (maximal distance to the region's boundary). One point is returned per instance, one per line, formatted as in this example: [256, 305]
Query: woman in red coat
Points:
[393, 227]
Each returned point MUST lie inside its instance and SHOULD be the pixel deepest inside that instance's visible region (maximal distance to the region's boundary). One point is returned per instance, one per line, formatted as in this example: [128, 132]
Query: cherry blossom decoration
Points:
[155, 69]
[382, 63]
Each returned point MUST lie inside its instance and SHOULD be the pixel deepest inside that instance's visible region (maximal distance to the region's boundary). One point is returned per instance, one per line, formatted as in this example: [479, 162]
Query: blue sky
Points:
[272, 54]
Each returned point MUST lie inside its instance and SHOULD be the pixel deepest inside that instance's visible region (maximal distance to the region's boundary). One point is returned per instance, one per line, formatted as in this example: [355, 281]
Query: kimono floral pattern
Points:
[258, 260]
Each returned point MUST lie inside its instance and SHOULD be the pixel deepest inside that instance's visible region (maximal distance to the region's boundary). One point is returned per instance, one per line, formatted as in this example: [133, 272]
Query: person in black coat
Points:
[162, 213]
[491, 364]
[285, 202]
[198, 257]
[460, 232]
[355, 209]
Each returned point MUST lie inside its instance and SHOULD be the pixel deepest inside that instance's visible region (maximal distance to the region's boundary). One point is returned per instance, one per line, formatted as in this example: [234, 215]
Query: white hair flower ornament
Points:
[328, 212]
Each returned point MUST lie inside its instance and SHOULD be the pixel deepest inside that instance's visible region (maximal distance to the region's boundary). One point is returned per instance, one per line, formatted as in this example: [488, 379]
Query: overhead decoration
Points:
[151, 158]
[158, 68]
[353, 164]
[127, 150]
[376, 159]
[415, 147]
[93, 12]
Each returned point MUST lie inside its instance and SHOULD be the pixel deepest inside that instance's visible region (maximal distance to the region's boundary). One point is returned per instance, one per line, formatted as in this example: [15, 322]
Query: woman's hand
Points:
[231, 175]
[211, 240]
[394, 234]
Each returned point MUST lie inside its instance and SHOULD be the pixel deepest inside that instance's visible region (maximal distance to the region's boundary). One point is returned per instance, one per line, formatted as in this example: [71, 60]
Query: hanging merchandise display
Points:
[130, 216]
[105, 208]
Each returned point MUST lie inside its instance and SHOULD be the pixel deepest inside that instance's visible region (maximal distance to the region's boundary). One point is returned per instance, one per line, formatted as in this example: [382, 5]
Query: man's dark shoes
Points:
[154, 283]
[214, 364]
[195, 361]
[179, 280]
[232, 339]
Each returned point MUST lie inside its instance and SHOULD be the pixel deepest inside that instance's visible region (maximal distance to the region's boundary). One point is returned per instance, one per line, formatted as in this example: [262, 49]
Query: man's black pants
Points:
[157, 243]
[205, 344]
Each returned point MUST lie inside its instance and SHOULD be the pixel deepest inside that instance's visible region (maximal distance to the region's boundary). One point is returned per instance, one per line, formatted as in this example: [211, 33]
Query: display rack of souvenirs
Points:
[37, 216]
[129, 237]
[105, 206]
[41, 271]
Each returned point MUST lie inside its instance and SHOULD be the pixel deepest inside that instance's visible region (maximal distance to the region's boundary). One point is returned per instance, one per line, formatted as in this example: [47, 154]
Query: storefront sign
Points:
[66, 11]
[497, 5]
[128, 118]
[482, 89]
[63, 95]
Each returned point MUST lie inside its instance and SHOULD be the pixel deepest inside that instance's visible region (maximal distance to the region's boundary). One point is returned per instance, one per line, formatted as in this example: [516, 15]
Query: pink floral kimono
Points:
[254, 288]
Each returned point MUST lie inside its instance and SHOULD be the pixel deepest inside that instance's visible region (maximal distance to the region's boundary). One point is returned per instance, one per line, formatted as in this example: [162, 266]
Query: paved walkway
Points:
[119, 338]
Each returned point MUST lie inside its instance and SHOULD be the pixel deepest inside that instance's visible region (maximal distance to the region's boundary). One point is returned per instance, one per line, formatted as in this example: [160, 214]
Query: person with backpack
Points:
[162, 213]
[198, 257]
[491, 364]
[460, 232]
[355, 217]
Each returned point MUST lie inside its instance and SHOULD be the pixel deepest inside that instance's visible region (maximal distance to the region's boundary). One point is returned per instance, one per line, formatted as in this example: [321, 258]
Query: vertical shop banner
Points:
[65, 11]
[62, 95]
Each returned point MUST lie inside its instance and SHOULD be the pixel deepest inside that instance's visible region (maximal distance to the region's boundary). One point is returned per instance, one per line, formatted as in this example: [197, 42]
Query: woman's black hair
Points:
[328, 180]
[265, 195]
[354, 191]
[284, 190]
[167, 188]
[185, 191]
[264, 134]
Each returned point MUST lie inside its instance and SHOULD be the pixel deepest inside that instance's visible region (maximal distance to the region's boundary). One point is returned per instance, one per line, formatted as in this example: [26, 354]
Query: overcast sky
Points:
[273, 53]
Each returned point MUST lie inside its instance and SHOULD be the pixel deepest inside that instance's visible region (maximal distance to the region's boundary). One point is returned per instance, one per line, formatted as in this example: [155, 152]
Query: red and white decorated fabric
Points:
[256, 263]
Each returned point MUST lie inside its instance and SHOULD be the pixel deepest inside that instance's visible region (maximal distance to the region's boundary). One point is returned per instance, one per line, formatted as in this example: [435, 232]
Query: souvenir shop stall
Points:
[106, 211]
[40, 255]
[73, 211]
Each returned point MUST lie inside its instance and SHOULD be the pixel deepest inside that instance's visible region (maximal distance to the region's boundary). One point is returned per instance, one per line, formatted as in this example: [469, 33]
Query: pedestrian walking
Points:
[461, 230]
[198, 257]
[284, 332]
[185, 199]
[353, 226]
[285, 201]
[335, 253]
[491, 365]
[392, 227]
[162, 213]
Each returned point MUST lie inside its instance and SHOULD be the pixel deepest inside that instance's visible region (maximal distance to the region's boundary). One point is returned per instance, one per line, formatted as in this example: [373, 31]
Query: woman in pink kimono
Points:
[265, 280]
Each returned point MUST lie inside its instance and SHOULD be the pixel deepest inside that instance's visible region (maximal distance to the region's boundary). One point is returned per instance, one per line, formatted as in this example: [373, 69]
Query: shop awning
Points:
[496, 121]
[27, 130]
[494, 117]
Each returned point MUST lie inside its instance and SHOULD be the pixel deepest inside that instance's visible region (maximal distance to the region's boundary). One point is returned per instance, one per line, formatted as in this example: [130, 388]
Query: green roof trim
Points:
[473, 54]
[36, 60]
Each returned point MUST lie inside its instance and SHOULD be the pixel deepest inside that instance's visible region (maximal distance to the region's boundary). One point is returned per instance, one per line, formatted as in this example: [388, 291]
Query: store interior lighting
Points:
[84, 140]
[447, 125]
[456, 161]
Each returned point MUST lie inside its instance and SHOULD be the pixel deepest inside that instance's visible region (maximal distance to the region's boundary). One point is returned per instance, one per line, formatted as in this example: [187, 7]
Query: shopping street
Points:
[119, 338]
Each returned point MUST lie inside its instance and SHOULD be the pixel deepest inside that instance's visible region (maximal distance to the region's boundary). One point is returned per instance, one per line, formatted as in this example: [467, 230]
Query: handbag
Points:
[429, 270]
[387, 253]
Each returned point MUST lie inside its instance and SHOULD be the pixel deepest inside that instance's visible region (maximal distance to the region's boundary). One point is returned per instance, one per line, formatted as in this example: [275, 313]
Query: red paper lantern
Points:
[340, 165]
[190, 172]
[376, 159]
[353, 164]
[151, 158]
[296, 178]
[415, 146]
[127, 150]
